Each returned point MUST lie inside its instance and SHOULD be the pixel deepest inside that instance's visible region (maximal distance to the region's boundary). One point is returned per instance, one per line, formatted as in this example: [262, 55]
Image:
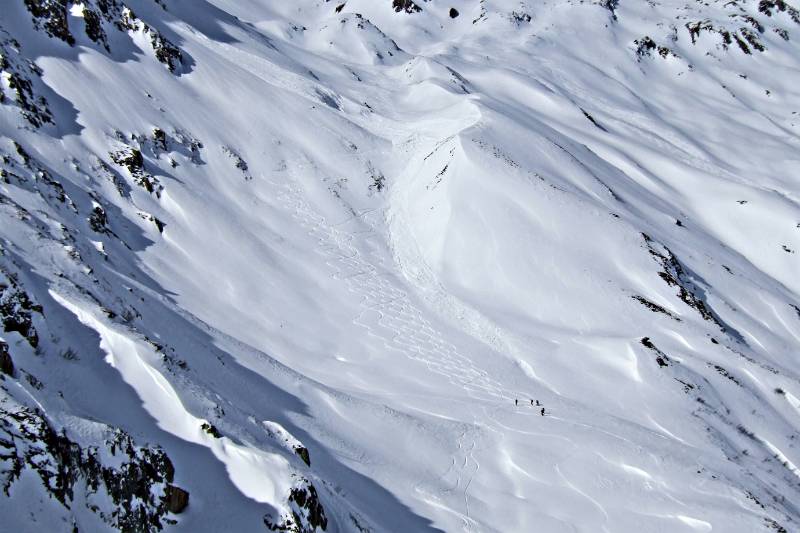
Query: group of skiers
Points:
[537, 404]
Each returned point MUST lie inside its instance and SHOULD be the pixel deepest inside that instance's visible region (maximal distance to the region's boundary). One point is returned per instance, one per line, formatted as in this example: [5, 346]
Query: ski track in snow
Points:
[466, 279]
[403, 328]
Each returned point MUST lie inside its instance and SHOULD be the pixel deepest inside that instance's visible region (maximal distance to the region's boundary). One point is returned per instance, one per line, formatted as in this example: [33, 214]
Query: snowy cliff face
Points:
[380, 265]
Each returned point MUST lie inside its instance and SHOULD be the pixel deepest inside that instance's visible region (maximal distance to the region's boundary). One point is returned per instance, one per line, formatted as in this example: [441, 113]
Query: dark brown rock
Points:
[176, 499]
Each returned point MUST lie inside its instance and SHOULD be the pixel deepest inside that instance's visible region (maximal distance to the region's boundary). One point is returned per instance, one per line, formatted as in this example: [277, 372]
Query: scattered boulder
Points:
[453, 12]
[211, 430]
[176, 499]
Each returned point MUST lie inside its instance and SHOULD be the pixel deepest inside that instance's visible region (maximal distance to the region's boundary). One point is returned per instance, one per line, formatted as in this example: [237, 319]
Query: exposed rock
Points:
[166, 52]
[132, 160]
[6, 364]
[51, 16]
[94, 27]
[238, 162]
[307, 514]
[159, 225]
[176, 499]
[22, 75]
[675, 274]
[612, 6]
[287, 441]
[98, 220]
[16, 309]
[646, 45]
[661, 357]
[453, 12]
[302, 451]
[127, 486]
[160, 139]
[767, 7]
[378, 180]
[654, 307]
[406, 5]
[520, 17]
[211, 430]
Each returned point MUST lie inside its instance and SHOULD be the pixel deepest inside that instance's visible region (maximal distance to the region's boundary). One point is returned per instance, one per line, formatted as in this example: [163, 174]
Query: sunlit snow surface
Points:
[437, 216]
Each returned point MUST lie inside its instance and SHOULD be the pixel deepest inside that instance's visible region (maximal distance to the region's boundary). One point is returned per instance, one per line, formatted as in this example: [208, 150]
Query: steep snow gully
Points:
[375, 265]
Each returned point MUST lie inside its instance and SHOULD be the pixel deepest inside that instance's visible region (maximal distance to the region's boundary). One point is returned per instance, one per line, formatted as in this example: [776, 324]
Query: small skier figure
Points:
[531, 402]
[537, 403]
[542, 411]
[516, 401]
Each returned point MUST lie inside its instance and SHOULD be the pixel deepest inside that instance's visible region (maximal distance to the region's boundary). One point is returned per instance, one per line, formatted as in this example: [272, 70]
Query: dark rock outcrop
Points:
[128, 486]
[132, 160]
[176, 499]
[661, 357]
[51, 16]
[675, 274]
[211, 430]
[17, 308]
[307, 513]
[6, 363]
[302, 452]
[98, 220]
[406, 5]
[23, 77]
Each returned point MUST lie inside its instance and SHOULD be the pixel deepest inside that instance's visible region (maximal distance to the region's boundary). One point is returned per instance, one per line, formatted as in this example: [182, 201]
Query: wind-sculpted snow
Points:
[361, 265]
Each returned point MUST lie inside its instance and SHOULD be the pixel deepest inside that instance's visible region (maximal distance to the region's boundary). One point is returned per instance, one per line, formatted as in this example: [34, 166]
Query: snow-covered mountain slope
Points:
[393, 265]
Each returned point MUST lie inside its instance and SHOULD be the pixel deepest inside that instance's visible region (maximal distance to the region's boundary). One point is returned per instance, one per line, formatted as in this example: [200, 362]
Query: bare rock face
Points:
[24, 83]
[176, 499]
[99, 17]
[744, 28]
[51, 16]
[406, 5]
[131, 159]
[6, 364]
[302, 452]
[307, 513]
[16, 309]
[128, 486]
